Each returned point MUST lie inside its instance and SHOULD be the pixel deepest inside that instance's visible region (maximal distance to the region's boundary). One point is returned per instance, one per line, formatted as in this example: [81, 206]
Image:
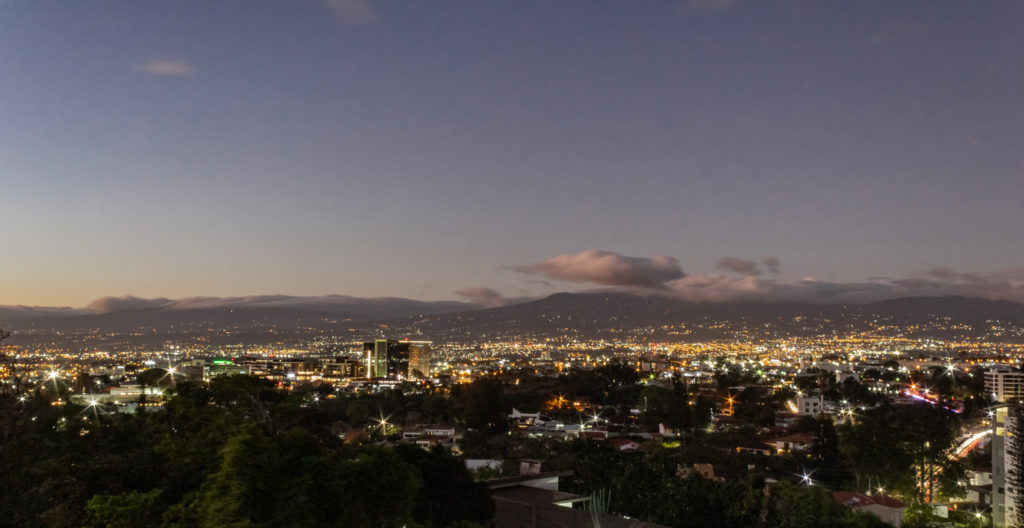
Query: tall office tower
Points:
[376, 358]
[1004, 384]
[1004, 494]
[419, 359]
[398, 360]
[387, 359]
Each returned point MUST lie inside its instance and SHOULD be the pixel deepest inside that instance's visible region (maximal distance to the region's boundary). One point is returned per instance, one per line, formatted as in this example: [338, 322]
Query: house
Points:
[429, 435]
[623, 444]
[979, 487]
[794, 442]
[476, 464]
[704, 470]
[524, 420]
[534, 501]
[887, 509]
[355, 435]
[786, 419]
[530, 466]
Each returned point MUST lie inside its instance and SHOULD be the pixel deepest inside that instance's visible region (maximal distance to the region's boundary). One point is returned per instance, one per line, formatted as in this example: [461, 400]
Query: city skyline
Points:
[714, 150]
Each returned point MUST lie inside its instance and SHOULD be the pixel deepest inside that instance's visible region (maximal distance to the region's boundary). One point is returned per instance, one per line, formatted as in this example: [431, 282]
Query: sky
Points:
[489, 151]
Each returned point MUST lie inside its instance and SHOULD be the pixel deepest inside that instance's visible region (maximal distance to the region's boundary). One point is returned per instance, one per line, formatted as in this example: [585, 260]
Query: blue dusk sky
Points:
[487, 150]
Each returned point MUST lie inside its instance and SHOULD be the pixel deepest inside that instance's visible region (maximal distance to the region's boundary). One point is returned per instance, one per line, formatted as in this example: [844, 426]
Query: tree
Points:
[792, 506]
[448, 493]
[126, 510]
[826, 450]
[483, 409]
[907, 450]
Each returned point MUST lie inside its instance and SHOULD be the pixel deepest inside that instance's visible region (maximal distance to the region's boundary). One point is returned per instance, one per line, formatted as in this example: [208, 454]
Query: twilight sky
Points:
[478, 149]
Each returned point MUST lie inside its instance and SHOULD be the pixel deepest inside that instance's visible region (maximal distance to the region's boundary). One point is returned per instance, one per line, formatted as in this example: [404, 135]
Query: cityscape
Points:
[726, 398]
[531, 264]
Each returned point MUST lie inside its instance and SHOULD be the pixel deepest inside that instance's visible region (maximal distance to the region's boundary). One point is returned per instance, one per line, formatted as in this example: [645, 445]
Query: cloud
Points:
[1000, 285]
[352, 12]
[608, 268]
[738, 265]
[167, 67]
[371, 307]
[748, 267]
[943, 273]
[481, 295]
[707, 5]
[722, 288]
[105, 305]
[893, 33]
[758, 280]
[540, 282]
[488, 297]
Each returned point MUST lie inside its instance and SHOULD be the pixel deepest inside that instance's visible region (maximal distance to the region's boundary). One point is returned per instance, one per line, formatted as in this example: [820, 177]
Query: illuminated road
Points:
[970, 443]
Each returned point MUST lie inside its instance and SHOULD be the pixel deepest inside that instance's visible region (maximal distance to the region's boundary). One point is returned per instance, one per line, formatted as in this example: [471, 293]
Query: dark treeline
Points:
[237, 453]
[240, 452]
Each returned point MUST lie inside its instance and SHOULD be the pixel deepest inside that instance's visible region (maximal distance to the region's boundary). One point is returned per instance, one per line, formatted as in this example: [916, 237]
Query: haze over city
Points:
[710, 149]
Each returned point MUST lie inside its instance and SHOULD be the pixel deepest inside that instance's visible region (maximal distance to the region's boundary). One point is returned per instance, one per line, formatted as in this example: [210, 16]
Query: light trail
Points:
[970, 443]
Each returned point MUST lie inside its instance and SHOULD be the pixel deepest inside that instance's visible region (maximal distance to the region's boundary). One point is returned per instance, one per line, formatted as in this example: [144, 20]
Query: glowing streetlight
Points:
[383, 423]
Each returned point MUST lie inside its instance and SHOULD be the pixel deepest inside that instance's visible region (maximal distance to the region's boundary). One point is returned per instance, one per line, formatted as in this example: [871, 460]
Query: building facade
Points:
[398, 360]
[419, 359]
[342, 368]
[1004, 495]
[1004, 384]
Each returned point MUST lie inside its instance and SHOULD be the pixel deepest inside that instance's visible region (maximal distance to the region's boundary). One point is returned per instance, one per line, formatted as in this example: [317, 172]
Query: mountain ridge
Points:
[589, 310]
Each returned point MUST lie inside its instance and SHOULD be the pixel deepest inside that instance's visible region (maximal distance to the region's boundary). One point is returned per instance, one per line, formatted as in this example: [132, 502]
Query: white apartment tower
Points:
[1004, 384]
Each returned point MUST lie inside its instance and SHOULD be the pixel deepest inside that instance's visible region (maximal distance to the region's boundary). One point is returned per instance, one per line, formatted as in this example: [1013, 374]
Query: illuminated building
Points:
[341, 368]
[419, 359]
[1004, 384]
[220, 366]
[387, 359]
[1004, 497]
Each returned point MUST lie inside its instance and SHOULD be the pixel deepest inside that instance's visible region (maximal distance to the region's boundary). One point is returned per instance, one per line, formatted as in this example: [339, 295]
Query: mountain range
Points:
[126, 313]
[575, 312]
[606, 314]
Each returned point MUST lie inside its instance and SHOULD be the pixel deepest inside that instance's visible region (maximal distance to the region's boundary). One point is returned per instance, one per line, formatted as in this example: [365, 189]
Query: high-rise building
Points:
[376, 358]
[390, 359]
[419, 359]
[1004, 495]
[1004, 384]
